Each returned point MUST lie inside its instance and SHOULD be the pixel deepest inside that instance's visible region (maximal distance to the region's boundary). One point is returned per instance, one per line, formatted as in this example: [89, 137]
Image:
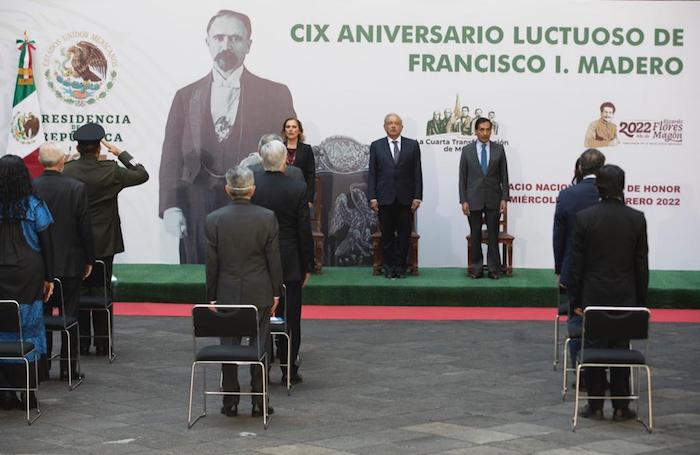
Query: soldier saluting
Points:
[103, 180]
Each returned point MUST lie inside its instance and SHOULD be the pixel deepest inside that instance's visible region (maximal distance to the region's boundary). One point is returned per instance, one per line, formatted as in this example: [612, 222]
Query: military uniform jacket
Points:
[103, 181]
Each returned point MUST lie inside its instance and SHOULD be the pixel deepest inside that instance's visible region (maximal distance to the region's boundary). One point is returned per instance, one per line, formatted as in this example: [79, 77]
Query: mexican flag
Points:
[26, 133]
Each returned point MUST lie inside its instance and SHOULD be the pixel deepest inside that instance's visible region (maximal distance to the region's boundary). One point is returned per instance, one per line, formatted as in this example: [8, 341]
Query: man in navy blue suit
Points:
[570, 201]
[395, 191]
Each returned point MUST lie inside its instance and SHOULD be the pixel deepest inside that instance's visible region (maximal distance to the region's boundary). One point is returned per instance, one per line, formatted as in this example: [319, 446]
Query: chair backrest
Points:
[9, 317]
[98, 276]
[616, 323]
[502, 220]
[225, 320]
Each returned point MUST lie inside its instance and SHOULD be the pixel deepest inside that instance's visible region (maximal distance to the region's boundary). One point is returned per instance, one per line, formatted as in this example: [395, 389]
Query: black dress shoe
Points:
[258, 412]
[401, 274]
[593, 414]
[475, 276]
[494, 276]
[230, 411]
[76, 376]
[620, 415]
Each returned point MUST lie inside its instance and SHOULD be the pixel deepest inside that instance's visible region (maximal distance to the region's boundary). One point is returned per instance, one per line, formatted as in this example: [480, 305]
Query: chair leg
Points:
[266, 418]
[110, 339]
[28, 389]
[650, 426]
[555, 362]
[289, 364]
[190, 422]
[71, 384]
[565, 366]
[574, 420]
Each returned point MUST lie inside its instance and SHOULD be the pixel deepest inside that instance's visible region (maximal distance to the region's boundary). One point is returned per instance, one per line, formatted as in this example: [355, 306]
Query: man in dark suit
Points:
[74, 250]
[103, 180]
[483, 192]
[571, 201]
[287, 198]
[213, 124]
[609, 267]
[395, 191]
[243, 267]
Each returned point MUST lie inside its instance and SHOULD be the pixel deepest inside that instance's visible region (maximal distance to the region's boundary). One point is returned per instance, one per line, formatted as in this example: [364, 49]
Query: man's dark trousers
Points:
[395, 222]
[477, 260]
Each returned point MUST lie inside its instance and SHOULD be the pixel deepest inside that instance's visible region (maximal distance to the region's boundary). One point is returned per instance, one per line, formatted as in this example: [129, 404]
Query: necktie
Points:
[396, 151]
[484, 159]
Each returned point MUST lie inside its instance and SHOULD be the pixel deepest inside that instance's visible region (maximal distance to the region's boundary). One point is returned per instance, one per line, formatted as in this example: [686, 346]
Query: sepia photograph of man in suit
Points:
[213, 124]
[395, 191]
[483, 192]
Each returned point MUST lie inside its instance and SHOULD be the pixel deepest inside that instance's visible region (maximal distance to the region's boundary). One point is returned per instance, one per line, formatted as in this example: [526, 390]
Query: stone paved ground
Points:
[369, 388]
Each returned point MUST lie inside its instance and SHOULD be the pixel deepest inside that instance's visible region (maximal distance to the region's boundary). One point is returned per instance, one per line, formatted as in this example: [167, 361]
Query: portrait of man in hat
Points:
[213, 124]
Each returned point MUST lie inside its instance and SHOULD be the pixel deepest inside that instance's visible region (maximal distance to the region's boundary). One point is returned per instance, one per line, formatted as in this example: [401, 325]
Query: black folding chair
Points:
[237, 321]
[19, 351]
[278, 327]
[614, 324]
[98, 279]
[63, 323]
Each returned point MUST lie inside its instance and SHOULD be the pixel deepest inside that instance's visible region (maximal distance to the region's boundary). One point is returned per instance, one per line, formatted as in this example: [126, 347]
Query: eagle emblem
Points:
[81, 70]
[25, 127]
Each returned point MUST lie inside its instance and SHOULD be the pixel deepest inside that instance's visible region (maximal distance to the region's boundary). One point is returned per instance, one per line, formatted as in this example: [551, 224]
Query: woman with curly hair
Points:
[26, 273]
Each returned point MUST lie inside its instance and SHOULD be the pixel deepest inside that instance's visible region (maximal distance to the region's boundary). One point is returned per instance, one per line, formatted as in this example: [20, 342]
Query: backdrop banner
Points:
[554, 77]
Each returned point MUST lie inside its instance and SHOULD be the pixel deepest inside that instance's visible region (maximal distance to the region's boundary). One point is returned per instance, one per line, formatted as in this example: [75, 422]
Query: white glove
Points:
[174, 222]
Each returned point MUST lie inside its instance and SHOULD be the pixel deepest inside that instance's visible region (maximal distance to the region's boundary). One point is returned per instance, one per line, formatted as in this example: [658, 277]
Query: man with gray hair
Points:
[243, 267]
[286, 197]
[74, 250]
[254, 160]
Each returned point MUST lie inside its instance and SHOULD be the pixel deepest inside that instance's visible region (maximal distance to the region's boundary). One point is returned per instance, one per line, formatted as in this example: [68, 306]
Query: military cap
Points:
[90, 132]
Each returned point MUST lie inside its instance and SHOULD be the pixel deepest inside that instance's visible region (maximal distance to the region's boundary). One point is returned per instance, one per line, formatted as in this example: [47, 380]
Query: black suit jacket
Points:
[479, 190]
[609, 257]
[570, 201]
[287, 198]
[71, 230]
[243, 257]
[304, 160]
[103, 181]
[389, 181]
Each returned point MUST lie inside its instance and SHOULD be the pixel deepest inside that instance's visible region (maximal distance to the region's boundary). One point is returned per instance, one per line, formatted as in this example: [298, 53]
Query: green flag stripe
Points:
[22, 91]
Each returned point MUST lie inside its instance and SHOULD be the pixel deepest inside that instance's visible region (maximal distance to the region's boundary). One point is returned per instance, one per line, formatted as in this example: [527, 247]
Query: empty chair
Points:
[235, 321]
[614, 324]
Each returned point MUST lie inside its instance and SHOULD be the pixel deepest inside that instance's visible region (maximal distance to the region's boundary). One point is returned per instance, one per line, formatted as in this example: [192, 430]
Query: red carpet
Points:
[400, 313]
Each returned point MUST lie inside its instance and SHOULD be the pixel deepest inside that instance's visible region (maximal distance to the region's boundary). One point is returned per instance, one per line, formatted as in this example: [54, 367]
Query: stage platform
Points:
[433, 287]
